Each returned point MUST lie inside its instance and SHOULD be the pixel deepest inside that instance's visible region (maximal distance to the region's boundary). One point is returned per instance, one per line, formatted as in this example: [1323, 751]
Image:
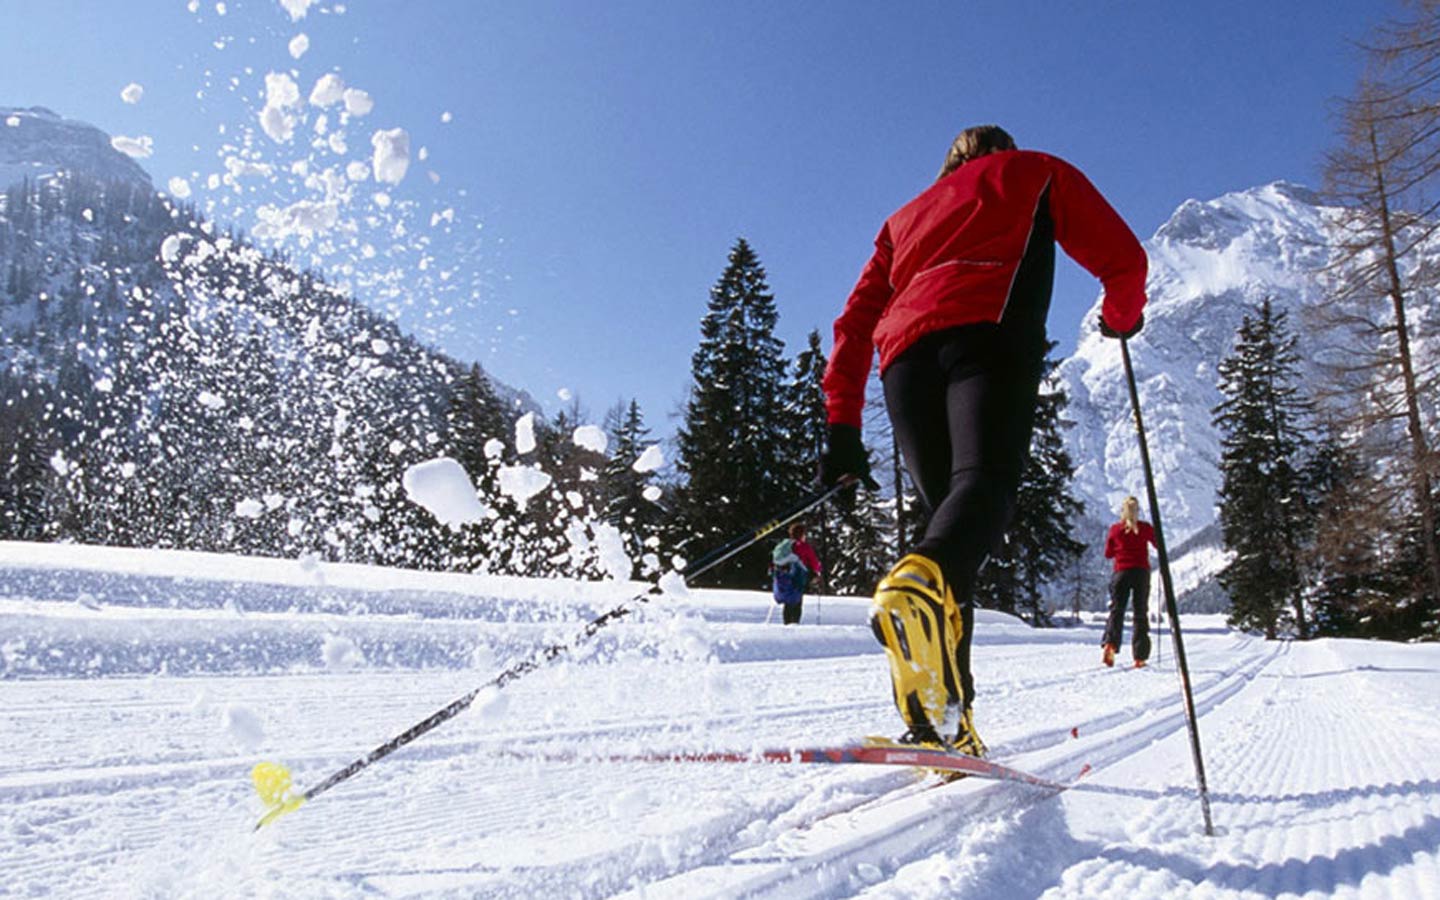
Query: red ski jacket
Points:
[1128, 548]
[973, 248]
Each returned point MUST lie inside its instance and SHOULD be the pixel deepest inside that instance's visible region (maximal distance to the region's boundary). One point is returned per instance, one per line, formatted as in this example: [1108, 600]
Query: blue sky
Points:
[614, 151]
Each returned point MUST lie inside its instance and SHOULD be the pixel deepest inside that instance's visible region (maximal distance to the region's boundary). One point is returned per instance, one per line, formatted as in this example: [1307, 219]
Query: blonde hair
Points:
[973, 143]
[1130, 514]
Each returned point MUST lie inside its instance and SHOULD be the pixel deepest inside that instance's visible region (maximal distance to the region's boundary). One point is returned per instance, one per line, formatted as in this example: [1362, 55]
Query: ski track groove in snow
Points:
[814, 862]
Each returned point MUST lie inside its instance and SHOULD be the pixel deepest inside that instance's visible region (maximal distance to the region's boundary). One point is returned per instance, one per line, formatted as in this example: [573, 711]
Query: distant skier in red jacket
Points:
[1128, 544]
[955, 299]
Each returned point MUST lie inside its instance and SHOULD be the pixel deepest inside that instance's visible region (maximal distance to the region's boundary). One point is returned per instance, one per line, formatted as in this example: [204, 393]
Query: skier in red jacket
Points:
[955, 299]
[1127, 545]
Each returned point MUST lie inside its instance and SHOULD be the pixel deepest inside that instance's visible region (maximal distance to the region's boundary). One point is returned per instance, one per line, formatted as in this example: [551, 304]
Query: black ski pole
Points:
[1170, 606]
[273, 782]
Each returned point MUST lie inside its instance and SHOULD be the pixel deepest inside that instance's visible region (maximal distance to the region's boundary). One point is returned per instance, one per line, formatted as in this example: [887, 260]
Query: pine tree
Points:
[732, 451]
[1037, 547]
[1264, 513]
[627, 493]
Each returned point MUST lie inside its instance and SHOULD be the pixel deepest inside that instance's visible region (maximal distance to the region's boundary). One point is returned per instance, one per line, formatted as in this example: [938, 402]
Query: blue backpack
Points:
[788, 574]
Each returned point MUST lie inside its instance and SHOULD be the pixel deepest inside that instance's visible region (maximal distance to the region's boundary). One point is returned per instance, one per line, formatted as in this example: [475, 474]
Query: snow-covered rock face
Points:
[1210, 265]
[36, 143]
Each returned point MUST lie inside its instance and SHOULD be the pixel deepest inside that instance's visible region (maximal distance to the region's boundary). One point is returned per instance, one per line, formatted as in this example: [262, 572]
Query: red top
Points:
[807, 555]
[950, 257]
[1128, 548]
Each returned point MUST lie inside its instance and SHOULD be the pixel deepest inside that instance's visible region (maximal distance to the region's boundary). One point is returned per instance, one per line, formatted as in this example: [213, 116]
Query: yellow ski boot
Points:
[967, 739]
[914, 617]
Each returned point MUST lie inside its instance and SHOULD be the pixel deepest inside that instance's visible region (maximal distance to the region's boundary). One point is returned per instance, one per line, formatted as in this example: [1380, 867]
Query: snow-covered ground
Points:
[137, 688]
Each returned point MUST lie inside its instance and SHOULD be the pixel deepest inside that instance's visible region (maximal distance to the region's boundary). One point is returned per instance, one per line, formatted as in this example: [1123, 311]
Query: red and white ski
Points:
[873, 751]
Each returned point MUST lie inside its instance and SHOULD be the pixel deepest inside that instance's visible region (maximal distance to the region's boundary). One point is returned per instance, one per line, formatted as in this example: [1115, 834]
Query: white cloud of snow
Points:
[392, 154]
[137, 147]
[590, 437]
[303, 218]
[443, 488]
[12, 121]
[132, 93]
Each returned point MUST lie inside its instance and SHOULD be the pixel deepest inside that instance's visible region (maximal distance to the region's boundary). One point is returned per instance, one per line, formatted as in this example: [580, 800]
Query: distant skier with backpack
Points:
[1127, 544]
[793, 565]
[955, 298]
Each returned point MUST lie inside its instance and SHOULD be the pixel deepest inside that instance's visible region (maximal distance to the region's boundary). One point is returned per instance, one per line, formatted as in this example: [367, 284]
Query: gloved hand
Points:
[1109, 332]
[845, 455]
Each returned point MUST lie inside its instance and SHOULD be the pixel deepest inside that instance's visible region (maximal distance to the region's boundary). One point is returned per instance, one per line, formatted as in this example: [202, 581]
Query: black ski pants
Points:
[962, 405]
[1132, 587]
[790, 612]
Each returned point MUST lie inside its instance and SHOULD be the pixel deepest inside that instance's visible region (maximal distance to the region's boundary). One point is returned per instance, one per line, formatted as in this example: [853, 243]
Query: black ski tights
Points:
[962, 404]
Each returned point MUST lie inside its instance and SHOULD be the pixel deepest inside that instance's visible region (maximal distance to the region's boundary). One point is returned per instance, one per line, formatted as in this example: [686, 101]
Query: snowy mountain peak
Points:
[37, 143]
[1216, 223]
[1212, 263]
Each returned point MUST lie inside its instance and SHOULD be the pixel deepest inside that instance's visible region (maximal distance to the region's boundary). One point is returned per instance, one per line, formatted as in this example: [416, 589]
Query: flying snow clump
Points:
[179, 188]
[328, 90]
[358, 102]
[136, 147]
[650, 460]
[610, 551]
[299, 44]
[590, 437]
[443, 488]
[276, 120]
[392, 155]
[525, 433]
[522, 482]
[296, 8]
[132, 93]
[170, 248]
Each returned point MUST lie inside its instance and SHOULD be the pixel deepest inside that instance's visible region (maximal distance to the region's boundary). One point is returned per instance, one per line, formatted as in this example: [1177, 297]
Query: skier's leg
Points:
[1140, 587]
[1115, 624]
[969, 476]
[912, 614]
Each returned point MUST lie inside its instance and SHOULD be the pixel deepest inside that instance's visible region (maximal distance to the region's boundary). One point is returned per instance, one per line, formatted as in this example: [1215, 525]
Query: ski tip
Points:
[273, 784]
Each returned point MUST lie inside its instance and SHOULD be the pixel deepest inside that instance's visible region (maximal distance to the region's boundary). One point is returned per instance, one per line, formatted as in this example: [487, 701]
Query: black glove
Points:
[1109, 332]
[845, 455]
